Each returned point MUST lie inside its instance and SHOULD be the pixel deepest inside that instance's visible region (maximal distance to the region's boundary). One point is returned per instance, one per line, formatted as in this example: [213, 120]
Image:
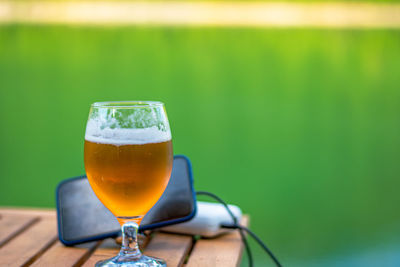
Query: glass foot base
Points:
[143, 261]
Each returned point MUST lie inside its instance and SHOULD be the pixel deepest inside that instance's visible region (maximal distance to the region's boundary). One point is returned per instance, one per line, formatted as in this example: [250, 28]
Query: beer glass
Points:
[128, 161]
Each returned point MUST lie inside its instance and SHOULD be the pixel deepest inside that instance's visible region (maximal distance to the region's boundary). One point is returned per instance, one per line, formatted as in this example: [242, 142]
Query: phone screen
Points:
[82, 217]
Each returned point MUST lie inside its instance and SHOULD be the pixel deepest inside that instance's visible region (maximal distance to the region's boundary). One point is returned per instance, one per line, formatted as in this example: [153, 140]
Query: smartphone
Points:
[82, 217]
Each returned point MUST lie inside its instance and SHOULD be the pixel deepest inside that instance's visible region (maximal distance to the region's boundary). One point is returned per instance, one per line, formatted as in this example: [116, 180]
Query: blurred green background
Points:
[299, 127]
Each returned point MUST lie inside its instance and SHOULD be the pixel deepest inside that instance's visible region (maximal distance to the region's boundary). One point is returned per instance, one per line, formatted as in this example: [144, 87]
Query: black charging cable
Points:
[241, 229]
[235, 222]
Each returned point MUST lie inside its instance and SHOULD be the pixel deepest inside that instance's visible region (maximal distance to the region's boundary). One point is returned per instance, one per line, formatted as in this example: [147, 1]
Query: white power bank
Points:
[207, 221]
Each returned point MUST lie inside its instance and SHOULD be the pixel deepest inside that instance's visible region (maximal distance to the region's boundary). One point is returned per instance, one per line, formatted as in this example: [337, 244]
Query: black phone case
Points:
[155, 218]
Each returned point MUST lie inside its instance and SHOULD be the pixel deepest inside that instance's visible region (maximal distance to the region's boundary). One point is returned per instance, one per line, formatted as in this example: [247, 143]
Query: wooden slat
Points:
[31, 239]
[62, 256]
[101, 254]
[171, 248]
[30, 244]
[11, 225]
[107, 249]
[28, 211]
[222, 251]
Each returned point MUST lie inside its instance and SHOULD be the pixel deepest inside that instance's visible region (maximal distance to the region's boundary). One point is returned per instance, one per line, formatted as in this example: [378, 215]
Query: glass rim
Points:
[127, 104]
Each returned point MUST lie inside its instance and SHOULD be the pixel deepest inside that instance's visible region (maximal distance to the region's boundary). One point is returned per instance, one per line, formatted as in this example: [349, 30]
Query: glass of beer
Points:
[128, 161]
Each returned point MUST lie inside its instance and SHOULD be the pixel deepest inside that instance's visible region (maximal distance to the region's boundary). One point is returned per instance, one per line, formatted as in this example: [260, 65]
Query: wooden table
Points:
[29, 238]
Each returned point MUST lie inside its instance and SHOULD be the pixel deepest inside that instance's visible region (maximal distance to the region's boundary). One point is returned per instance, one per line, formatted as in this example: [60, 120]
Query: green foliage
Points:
[298, 127]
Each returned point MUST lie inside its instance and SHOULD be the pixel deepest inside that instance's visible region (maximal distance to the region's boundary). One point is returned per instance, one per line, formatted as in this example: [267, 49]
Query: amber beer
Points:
[129, 178]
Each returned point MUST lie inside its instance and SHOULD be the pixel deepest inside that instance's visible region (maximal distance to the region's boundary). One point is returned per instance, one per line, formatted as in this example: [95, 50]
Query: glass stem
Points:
[130, 247]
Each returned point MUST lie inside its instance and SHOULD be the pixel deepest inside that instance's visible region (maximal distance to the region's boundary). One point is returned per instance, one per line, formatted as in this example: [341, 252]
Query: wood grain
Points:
[11, 225]
[110, 247]
[62, 256]
[30, 244]
[107, 249]
[222, 251]
[171, 248]
[29, 238]
[36, 212]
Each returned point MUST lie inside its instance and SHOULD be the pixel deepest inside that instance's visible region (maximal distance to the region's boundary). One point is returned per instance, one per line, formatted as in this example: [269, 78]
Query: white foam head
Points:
[123, 136]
